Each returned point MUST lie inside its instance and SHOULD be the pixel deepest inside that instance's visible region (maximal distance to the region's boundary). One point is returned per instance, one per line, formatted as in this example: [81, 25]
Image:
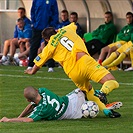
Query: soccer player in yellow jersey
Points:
[67, 48]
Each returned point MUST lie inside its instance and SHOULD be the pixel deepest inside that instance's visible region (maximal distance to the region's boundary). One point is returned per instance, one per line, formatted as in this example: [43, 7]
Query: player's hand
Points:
[28, 71]
[4, 119]
[32, 70]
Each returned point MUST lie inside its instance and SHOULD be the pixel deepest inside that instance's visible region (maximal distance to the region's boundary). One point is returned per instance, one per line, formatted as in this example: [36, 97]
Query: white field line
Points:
[37, 77]
[33, 77]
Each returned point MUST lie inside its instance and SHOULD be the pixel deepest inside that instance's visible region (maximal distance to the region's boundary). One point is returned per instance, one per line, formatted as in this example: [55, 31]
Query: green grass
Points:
[13, 81]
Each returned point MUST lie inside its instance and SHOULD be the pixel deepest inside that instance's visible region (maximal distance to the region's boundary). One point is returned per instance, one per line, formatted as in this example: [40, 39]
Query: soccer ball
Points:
[23, 62]
[89, 109]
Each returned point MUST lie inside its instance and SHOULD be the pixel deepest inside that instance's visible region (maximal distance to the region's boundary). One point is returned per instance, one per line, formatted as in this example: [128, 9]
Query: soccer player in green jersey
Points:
[46, 105]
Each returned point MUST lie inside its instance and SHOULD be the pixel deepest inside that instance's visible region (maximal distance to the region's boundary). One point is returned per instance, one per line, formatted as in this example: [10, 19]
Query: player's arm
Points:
[23, 119]
[32, 71]
[26, 111]
[96, 31]
[23, 40]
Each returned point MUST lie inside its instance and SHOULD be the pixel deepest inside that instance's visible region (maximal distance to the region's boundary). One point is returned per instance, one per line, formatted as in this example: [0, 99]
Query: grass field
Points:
[13, 81]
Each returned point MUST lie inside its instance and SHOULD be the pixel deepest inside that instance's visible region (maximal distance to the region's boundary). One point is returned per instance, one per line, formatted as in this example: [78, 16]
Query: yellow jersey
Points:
[62, 47]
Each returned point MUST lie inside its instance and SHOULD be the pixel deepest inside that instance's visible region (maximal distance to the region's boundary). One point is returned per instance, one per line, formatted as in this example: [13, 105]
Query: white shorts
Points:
[76, 99]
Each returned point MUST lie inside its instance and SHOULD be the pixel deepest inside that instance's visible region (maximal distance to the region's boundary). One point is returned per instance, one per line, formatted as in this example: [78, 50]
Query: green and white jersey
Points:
[51, 106]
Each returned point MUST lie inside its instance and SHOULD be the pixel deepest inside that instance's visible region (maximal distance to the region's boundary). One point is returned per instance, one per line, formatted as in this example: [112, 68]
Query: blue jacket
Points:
[27, 21]
[26, 32]
[79, 30]
[63, 23]
[44, 13]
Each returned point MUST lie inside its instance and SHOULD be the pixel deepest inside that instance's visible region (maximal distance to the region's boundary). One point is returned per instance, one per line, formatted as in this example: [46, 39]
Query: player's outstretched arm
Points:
[26, 111]
[32, 71]
[23, 119]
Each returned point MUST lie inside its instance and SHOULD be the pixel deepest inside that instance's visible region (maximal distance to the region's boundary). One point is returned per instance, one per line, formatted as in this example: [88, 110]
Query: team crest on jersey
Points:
[47, 1]
[37, 58]
[98, 66]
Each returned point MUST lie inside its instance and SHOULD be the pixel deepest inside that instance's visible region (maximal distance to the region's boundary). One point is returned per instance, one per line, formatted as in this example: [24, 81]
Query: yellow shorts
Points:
[86, 69]
[117, 44]
[125, 48]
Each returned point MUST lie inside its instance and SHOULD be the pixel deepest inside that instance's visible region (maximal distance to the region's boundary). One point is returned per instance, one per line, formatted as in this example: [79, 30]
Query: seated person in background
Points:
[102, 36]
[46, 105]
[22, 42]
[131, 57]
[118, 56]
[122, 37]
[64, 19]
[74, 18]
[7, 43]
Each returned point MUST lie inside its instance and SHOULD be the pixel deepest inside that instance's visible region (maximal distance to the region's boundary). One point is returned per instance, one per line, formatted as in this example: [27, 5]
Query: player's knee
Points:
[105, 49]
[116, 84]
[117, 53]
[7, 43]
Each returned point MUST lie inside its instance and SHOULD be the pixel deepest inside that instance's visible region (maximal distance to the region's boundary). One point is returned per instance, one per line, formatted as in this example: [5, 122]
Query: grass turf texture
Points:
[13, 81]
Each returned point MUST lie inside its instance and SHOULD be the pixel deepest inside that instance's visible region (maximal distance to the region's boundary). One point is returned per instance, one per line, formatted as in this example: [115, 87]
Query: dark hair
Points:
[22, 8]
[129, 13]
[48, 32]
[64, 11]
[20, 19]
[74, 13]
[110, 13]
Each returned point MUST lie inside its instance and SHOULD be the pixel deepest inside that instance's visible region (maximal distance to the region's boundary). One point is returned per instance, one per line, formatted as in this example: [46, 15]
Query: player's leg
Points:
[115, 46]
[131, 57]
[5, 50]
[116, 62]
[35, 44]
[111, 50]
[22, 47]
[101, 105]
[106, 51]
[76, 99]
[100, 75]
[13, 47]
[103, 54]
[80, 76]
[124, 51]
[90, 96]
[109, 83]
[111, 58]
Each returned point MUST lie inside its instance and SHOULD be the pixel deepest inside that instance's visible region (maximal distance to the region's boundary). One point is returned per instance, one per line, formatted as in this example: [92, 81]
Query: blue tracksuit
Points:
[63, 23]
[27, 21]
[44, 13]
[26, 32]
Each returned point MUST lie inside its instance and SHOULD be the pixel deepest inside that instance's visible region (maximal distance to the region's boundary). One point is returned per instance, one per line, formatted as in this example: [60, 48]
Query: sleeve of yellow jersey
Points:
[46, 54]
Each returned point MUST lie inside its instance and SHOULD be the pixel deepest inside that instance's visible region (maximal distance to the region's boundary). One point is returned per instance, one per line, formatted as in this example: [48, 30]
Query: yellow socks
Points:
[91, 97]
[131, 55]
[108, 86]
[116, 62]
[112, 57]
